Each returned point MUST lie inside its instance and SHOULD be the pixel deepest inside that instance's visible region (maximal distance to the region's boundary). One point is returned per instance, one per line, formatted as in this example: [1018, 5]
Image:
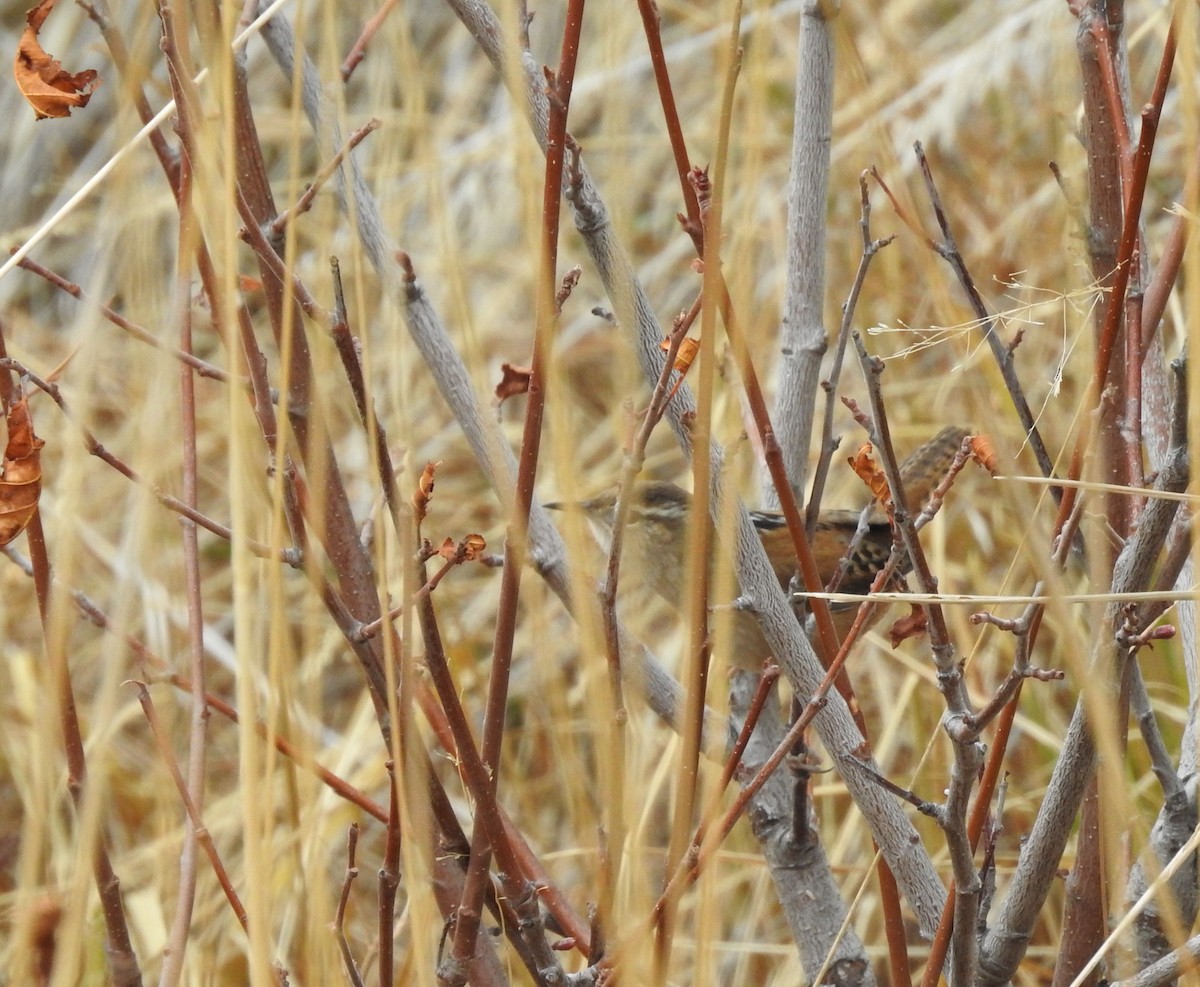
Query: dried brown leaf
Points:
[513, 381]
[21, 484]
[424, 492]
[687, 353]
[467, 550]
[869, 472]
[914, 625]
[473, 547]
[984, 452]
[46, 86]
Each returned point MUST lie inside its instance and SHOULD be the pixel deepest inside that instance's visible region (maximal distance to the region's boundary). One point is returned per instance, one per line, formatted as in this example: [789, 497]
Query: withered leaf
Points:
[914, 625]
[22, 479]
[467, 550]
[424, 492]
[46, 86]
[473, 546]
[870, 473]
[513, 381]
[984, 452]
[686, 354]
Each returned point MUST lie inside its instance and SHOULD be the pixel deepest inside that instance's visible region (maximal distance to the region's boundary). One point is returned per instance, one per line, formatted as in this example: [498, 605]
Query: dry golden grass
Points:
[993, 94]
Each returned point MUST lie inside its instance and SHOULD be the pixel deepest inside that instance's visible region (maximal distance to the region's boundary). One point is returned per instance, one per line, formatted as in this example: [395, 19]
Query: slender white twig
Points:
[1041, 481]
[970, 598]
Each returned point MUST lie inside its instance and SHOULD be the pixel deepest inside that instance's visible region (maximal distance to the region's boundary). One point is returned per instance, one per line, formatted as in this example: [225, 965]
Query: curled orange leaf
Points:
[46, 86]
[869, 472]
[424, 492]
[472, 547]
[684, 355]
[984, 452]
[21, 483]
[687, 353]
[467, 550]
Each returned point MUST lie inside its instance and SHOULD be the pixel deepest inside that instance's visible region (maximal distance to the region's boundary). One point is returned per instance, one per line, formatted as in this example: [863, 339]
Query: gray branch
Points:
[810, 898]
[1005, 944]
[802, 337]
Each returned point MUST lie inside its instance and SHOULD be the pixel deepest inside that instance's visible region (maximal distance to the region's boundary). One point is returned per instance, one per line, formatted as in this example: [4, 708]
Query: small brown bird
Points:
[657, 537]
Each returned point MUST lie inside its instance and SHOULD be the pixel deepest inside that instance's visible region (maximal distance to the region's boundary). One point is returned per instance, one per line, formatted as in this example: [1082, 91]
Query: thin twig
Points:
[870, 247]
[951, 816]
[202, 367]
[279, 224]
[193, 811]
[560, 84]
[389, 882]
[948, 251]
[198, 714]
[289, 556]
[124, 968]
[626, 495]
[339, 922]
[358, 50]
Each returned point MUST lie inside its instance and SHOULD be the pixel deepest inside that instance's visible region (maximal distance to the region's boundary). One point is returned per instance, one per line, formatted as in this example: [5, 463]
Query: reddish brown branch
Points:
[289, 556]
[124, 968]
[559, 86]
[193, 812]
[202, 367]
[358, 50]
[339, 922]
[651, 25]
[279, 224]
